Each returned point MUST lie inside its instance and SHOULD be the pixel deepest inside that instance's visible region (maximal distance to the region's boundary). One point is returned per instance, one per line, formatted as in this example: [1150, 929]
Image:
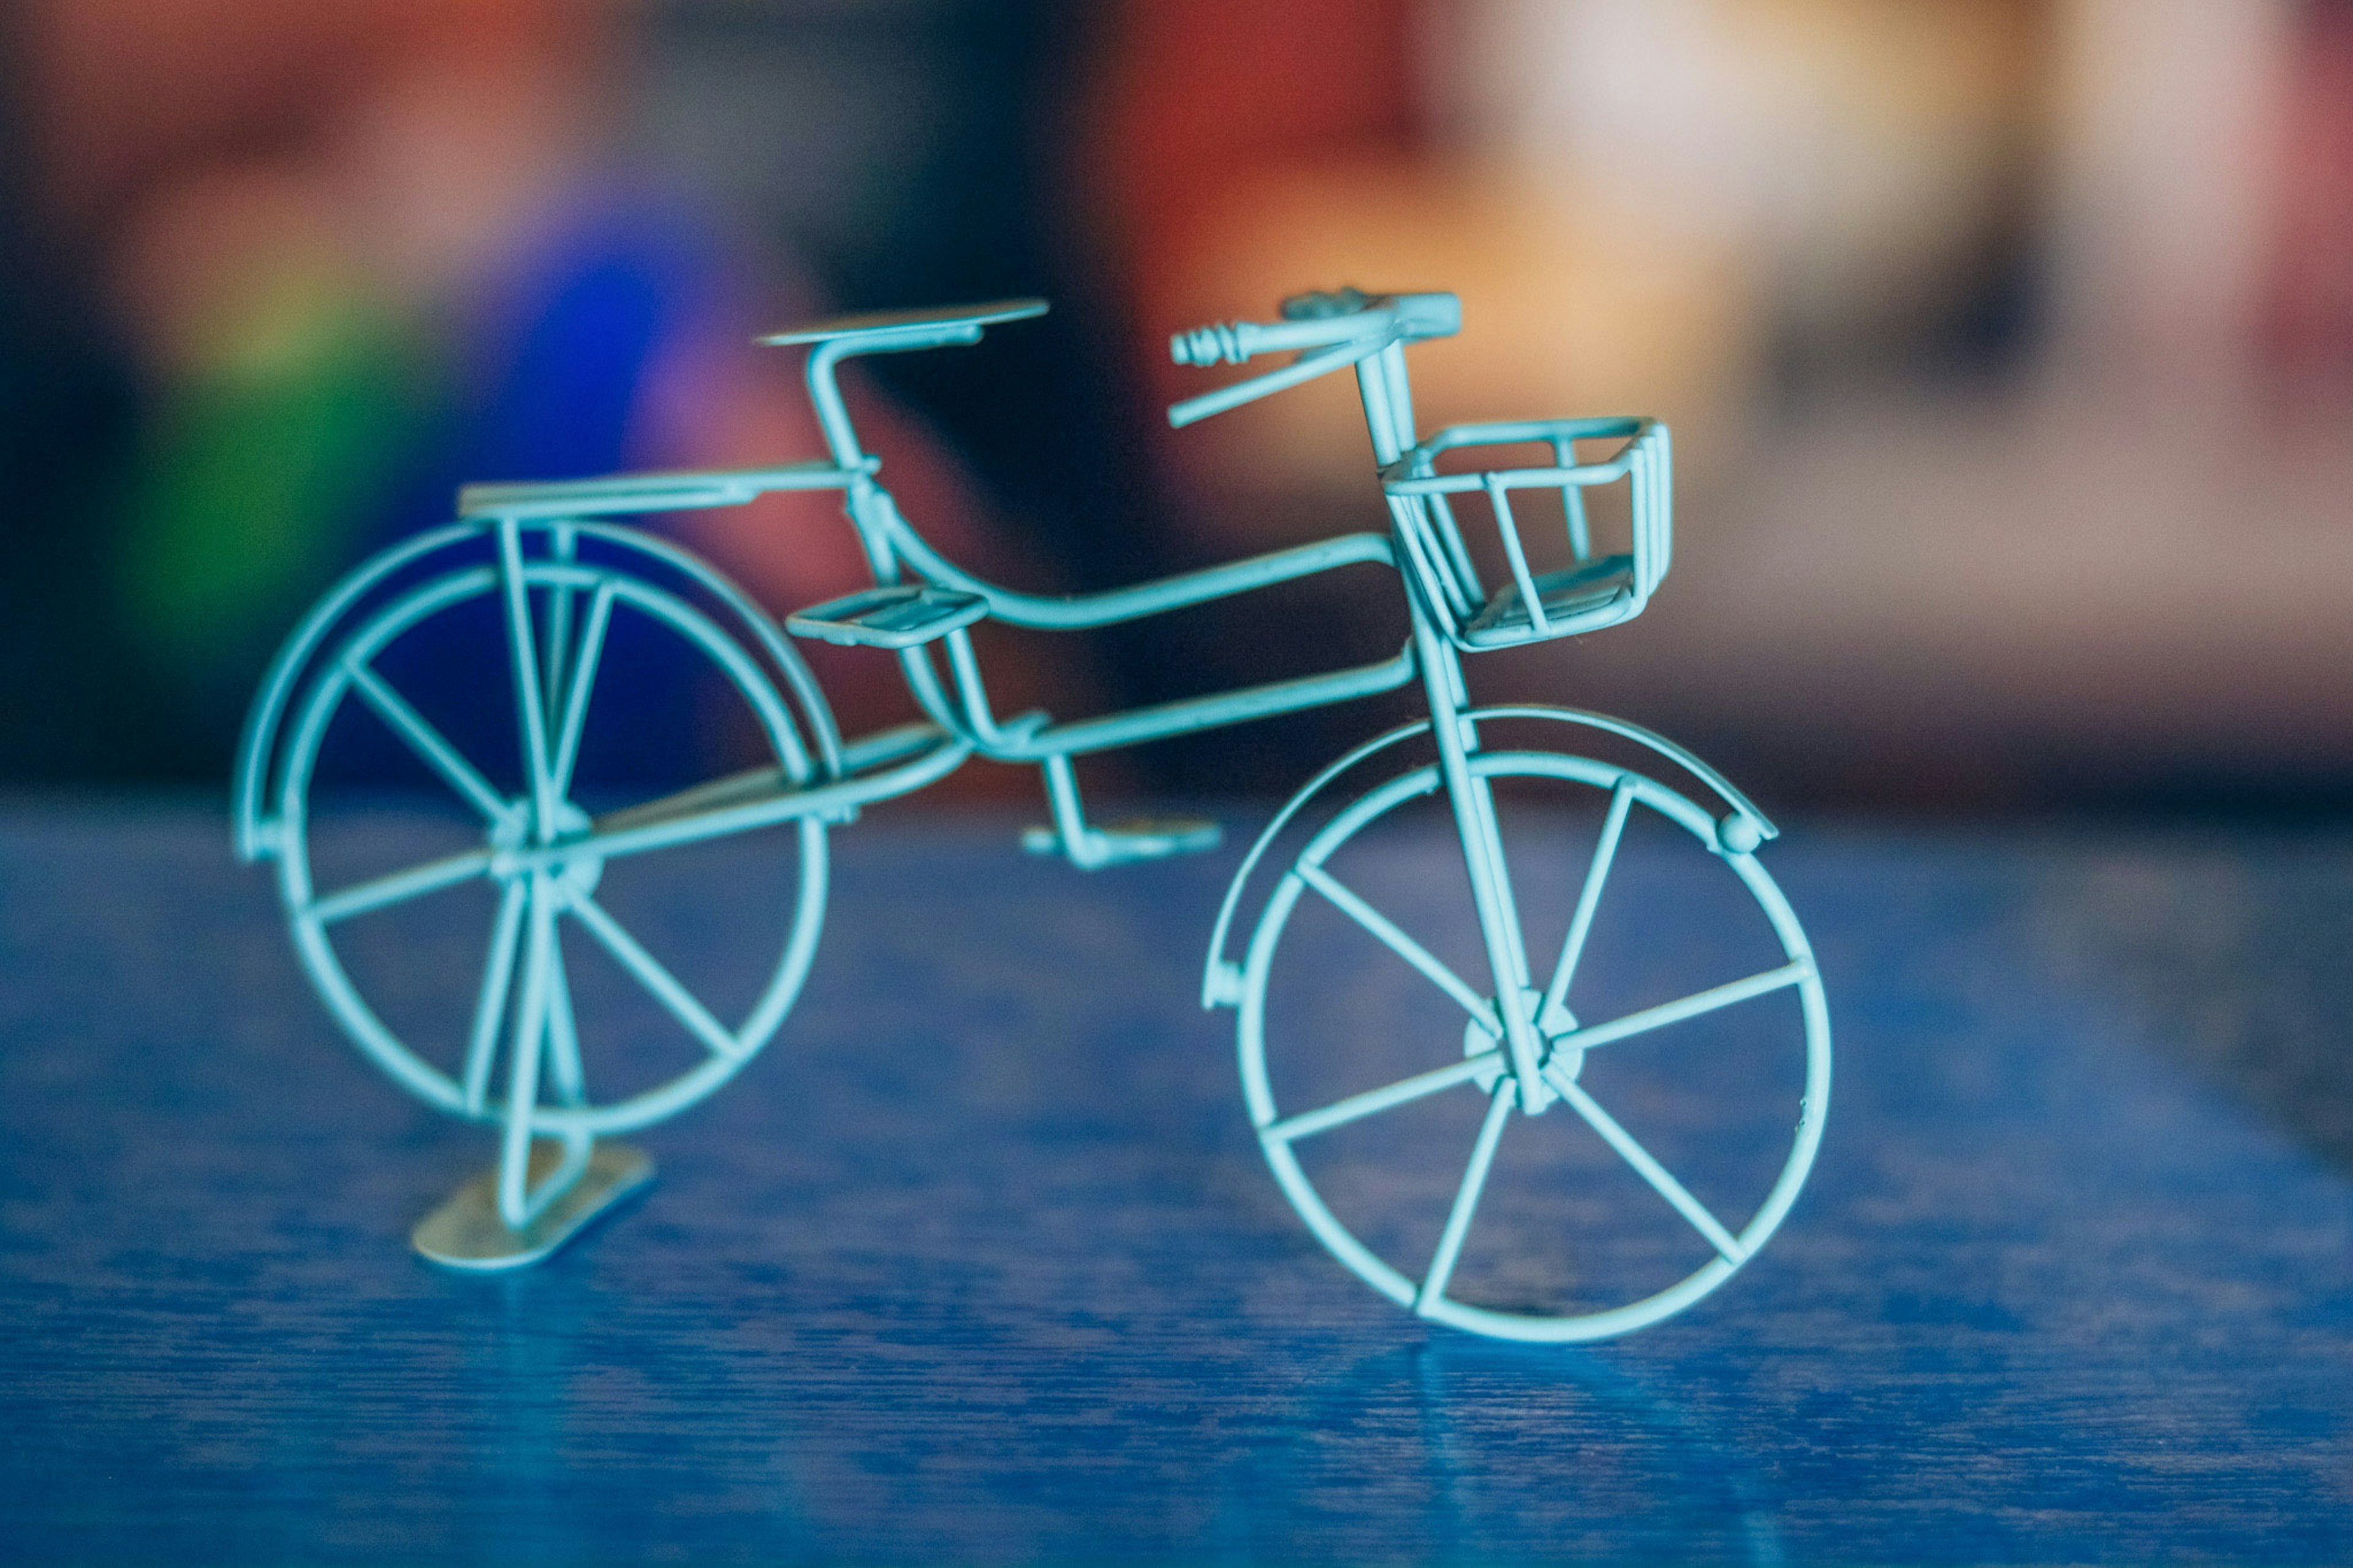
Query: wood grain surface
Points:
[979, 1263]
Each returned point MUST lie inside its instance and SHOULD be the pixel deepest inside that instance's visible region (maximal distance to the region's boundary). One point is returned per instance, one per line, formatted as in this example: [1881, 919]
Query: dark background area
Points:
[2006, 341]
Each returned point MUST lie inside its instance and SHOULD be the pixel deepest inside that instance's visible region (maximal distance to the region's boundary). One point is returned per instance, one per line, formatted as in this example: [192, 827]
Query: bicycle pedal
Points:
[1151, 837]
[899, 616]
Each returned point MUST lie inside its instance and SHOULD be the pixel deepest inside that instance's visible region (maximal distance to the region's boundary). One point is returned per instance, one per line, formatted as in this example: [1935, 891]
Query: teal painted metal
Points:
[556, 573]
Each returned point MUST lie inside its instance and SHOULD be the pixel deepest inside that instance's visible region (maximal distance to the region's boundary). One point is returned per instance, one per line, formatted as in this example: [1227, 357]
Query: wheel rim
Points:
[1281, 1134]
[516, 1013]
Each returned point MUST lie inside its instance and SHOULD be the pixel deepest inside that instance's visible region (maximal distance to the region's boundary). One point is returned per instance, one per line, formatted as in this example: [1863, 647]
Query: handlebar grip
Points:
[1233, 342]
[1320, 321]
[1346, 326]
[1216, 343]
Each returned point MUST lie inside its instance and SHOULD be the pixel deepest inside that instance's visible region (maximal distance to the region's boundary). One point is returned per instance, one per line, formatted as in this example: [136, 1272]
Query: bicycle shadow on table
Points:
[1466, 1448]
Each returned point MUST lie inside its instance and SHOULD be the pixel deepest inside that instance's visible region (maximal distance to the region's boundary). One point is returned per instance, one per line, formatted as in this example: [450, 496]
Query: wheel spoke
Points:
[491, 1004]
[1646, 1167]
[563, 1032]
[523, 1065]
[397, 887]
[1403, 946]
[656, 979]
[530, 711]
[583, 664]
[1373, 1102]
[425, 741]
[1466, 1197]
[557, 633]
[1588, 899]
[1690, 1006]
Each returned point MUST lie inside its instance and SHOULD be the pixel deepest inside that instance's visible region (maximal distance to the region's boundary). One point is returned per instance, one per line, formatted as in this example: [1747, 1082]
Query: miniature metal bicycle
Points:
[547, 564]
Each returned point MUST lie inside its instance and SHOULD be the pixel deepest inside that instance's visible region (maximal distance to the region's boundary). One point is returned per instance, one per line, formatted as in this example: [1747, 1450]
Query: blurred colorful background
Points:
[2008, 344]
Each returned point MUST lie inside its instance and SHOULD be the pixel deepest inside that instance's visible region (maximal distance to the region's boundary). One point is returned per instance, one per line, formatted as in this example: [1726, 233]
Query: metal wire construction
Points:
[549, 563]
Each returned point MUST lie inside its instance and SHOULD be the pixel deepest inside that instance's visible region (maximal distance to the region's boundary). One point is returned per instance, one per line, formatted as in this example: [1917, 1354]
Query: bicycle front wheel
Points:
[1684, 1036]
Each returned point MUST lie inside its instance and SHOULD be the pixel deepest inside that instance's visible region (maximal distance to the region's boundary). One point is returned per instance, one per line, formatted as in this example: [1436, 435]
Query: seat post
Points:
[825, 396]
[884, 331]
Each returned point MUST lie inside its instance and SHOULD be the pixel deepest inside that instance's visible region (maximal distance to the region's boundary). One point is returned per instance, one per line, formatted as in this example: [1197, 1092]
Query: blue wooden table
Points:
[2073, 1280]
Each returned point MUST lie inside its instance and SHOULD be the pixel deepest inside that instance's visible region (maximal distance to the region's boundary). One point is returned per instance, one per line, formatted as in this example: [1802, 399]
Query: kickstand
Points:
[1149, 838]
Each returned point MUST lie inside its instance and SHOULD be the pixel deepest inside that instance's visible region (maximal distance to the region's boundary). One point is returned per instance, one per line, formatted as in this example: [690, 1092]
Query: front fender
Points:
[1221, 976]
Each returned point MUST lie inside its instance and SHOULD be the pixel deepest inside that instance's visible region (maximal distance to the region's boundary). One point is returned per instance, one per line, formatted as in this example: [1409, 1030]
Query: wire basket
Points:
[1532, 605]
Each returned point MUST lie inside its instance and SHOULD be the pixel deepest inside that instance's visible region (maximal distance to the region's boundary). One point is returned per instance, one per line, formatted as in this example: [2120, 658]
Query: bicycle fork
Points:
[1483, 855]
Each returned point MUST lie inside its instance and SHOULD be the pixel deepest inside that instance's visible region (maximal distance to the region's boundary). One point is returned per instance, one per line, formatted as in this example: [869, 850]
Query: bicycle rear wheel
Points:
[648, 1033]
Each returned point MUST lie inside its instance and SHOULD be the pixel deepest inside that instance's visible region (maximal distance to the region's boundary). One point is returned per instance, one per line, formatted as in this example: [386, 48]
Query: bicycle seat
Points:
[942, 323]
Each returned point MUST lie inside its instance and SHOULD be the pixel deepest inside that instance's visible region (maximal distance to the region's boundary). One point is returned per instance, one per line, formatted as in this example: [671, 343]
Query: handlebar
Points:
[1346, 325]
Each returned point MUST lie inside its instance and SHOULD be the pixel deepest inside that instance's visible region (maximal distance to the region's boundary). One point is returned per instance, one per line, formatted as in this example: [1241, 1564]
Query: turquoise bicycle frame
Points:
[556, 545]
